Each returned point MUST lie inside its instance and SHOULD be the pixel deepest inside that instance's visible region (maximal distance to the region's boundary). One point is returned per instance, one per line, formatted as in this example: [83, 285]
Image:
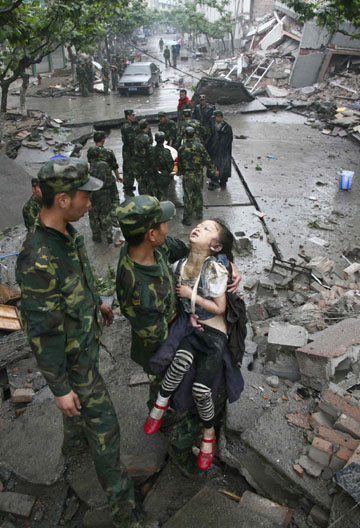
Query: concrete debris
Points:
[17, 504]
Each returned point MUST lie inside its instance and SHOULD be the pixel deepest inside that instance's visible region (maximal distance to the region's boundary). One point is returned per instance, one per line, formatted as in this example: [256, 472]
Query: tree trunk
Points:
[107, 50]
[4, 94]
[73, 63]
[232, 42]
[25, 85]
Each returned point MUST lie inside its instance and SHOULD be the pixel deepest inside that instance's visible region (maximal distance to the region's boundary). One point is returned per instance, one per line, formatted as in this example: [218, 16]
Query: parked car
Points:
[139, 77]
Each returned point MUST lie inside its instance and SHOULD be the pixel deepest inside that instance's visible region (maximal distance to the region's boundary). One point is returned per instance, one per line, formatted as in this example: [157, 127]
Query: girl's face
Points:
[205, 235]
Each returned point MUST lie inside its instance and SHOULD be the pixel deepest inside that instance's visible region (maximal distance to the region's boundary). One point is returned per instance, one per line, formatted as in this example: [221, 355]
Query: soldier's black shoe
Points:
[223, 185]
[186, 221]
[212, 186]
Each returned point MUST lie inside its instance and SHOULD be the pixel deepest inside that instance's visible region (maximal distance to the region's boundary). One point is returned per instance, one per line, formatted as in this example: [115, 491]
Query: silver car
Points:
[139, 77]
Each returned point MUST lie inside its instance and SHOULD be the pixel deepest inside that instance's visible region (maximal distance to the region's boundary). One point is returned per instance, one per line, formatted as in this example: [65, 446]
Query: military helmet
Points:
[218, 113]
[143, 123]
[189, 132]
[187, 112]
[161, 114]
[34, 182]
[99, 135]
[128, 112]
[159, 137]
[137, 215]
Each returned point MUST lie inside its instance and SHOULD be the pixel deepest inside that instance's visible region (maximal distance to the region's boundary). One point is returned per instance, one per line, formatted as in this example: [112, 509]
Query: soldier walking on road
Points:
[89, 73]
[129, 132]
[63, 317]
[168, 126]
[114, 75]
[192, 158]
[203, 113]
[81, 77]
[188, 122]
[161, 44]
[143, 142]
[106, 76]
[102, 213]
[174, 54]
[167, 56]
[162, 165]
[32, 207]
[220, 147]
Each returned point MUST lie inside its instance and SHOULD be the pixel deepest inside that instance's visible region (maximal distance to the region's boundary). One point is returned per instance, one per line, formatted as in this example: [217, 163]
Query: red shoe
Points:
[152, 424]
[204, 460]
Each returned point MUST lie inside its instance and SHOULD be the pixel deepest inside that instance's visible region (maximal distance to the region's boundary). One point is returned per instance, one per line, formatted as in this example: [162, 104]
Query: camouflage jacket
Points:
[98, 153]
[189, 123]
[147, 297]
[169, 128]
[106, 71]
[104, 197]
[59, 305]
[161, 160]
[192, 157]
[31, 211]
[128, 134]
[204, 115]
[142, 148]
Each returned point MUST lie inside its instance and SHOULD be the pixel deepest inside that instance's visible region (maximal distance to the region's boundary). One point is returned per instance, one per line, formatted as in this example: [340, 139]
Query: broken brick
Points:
[336, 437]
[348, 425]
[22, 396]
[300, 420]
[336, 405]
[299, 470]
[320, 451]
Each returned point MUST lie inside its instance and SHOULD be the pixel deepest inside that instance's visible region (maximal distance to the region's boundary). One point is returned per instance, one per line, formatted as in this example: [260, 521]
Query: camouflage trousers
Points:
[185, 431]
[98, 429]
[159, 185]
[142, 177]
[83, 88]
[193, 194]
[101, 221]
[128, 174]
[106, 85]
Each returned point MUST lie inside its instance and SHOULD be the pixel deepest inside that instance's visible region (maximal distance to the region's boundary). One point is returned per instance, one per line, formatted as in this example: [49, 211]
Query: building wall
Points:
[262, 7]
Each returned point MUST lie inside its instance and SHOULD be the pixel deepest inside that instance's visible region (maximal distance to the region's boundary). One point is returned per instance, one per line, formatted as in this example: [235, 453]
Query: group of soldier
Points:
[85, 74]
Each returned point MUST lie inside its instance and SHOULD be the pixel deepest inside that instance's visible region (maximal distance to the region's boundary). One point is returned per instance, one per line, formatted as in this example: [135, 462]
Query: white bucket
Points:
[345, 179]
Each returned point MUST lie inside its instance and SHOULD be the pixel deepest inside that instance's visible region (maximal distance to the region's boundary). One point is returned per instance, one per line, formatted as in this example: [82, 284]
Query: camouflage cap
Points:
[218, 113]
[189, 132]
[143, 123]
[187, 112]
[137, 215]
[161, 114]
[99, 135]
[128, 112]
[202, 96]
[64, 175]
[159, 137]
[34, 182]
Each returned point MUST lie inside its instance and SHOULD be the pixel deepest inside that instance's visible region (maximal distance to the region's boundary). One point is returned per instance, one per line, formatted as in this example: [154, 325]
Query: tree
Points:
[331, 14]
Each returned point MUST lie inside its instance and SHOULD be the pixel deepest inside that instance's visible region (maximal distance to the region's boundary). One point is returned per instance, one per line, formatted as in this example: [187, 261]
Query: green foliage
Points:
[331, 14]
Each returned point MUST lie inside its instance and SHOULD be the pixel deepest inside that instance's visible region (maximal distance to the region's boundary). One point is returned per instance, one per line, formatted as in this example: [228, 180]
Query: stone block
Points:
[348, 425]
[274, 91]
[277, 513]
[311, 467]
[319, 418]
[287, 335]
[340, 458]
[22, 396]
[143, 465]
[318, 516]
[338, 438]
[17, 504]
[250, 283]
[257, 312]
[273, 307]
[320, 451]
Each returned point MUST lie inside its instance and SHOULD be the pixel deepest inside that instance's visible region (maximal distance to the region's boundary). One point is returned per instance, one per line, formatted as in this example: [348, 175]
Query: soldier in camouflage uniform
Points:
[32, 207]
[161, 167]
[62, 314]
[192, 158]
[81, 77]
[188, 122]
[106, 76]
[146, 293]
[143, 143]
[203, 113]
[129, 132]
[114, 75]
[89, 74]
[168, 126]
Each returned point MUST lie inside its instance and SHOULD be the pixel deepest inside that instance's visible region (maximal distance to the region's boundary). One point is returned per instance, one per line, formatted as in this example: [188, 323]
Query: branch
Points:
[5, 11]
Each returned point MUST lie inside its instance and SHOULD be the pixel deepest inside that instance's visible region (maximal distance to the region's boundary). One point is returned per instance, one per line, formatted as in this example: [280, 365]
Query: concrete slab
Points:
[306, 69]
[14, 196]
[267, 451]
[275, 91]
[22, 448]
[16, 503]
[211, 509]
[287, 335]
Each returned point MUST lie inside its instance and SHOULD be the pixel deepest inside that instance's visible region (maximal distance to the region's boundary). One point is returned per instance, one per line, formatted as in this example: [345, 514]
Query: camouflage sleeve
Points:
[169, 161]
[175, 249]
[180, 161]
[44, 324]
[112, 161]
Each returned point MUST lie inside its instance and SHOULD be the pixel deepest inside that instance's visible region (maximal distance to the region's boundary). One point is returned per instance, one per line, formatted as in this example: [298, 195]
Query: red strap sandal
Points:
[152, 424]
[204, 460]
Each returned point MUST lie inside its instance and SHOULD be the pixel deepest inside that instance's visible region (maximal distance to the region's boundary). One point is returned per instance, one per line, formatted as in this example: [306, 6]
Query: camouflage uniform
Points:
[31, 211]
[170, 130]
[192, 158]
[198, 131]
[142, 146]
[160, 176]
[89, 75]
[147, 299]
[81, 77]
[114, 75]
[129, 132]
[106, 77]
[61, 315]
[183, 105]
[203, 114]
